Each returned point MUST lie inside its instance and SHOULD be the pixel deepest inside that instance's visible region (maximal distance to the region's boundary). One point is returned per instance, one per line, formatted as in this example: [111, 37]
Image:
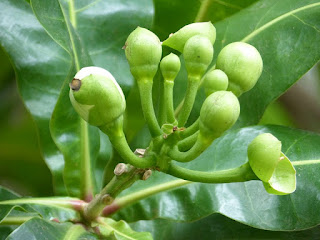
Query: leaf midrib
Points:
[277, 19]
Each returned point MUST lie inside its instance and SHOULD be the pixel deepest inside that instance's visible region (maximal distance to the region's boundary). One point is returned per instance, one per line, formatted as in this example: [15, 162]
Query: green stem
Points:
[145, 89]
[191, 129]
[199, 146]
[118, 183]
[111, 164]
[240, 174]
[168, 97]
[15, 220]
[203, 11]
[193, 83]
[87, 181]
[187, 143]
[162, 105]
[119, 142]
[136, 196]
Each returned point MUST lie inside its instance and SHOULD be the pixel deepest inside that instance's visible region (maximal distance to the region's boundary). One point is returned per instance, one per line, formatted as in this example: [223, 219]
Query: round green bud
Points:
[215, 80]
[264, 153]
[243, 65]
[198, 54]
[143, 51]
[218, 113]
[96, 96]
[177, 40]
[170, 66]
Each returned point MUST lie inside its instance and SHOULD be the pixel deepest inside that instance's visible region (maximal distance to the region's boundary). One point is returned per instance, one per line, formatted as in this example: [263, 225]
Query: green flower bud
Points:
[243, 65]
[283, 180]
[264, 154]
[96, 96]
[198, 54]
[178, 39]
[170, 66]
[218, 113]
[143, 51]
[215, 80]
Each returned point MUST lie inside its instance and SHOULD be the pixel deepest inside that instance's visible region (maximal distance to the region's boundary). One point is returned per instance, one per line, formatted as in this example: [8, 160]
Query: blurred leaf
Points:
[277, 114]
[187, 11]
[120, 230]
[248, 202]
[216, 227]
[37, 59]
[41, 229]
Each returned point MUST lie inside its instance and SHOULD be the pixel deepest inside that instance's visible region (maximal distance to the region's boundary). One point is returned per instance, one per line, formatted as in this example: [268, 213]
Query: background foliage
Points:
[51, 39]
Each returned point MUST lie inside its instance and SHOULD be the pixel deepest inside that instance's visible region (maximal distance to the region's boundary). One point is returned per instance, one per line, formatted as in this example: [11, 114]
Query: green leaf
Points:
[248, 202]
[282, 31]
[41, 229]
[120, 230]
[185, 12]
[78, 141]
[61, 209]
[216, 226]
[40, 68]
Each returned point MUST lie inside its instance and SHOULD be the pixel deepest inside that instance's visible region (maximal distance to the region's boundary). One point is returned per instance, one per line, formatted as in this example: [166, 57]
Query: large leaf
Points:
[58, 208]
[41, 229]
[282, 31]
[246, 202]
[78, 142]
[217, 227]
[41, 66]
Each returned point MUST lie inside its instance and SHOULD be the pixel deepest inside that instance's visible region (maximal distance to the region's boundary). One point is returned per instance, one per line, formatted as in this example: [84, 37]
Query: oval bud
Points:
[170, 66]
[96, 96]
[143, 51]
[218, 113]
[177, 40]
[198, 54]
[264, 154]
[243, 65]
[215, 80]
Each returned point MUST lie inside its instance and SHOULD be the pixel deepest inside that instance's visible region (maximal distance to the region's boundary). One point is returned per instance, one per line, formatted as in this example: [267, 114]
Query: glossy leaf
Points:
[41, 229]
[216, 227]
[248, 202]
[60, 209]
[282, 31]
[78, 142]
[40, 68]
[120, 230]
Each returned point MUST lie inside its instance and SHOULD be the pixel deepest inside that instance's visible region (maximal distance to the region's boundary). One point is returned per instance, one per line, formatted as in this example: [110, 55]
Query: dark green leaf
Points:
[41, 229]
[216, 227]
[248, 202]
[41, 66]
[61, 209]
[185, 12]
[78, 141]
[120, 230]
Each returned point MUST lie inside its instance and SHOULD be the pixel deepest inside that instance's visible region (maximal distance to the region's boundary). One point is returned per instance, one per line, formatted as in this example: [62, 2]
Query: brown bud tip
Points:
[107, 199]
[146, 174]
[75, 84]
[120, 169]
